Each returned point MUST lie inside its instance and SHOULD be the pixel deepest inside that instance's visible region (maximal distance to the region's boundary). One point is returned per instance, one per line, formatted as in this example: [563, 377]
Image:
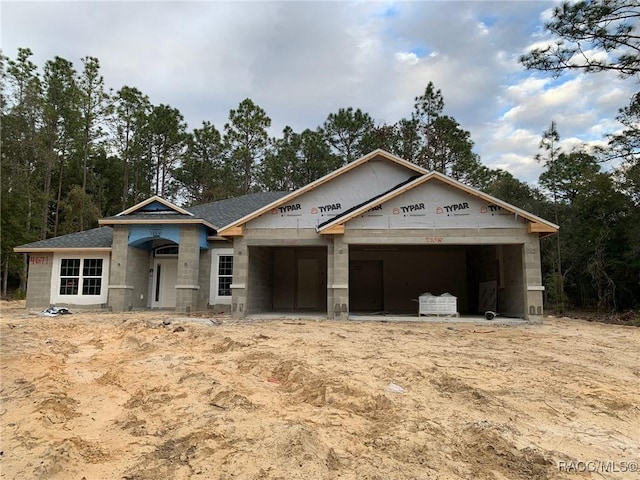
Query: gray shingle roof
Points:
[220, 214]
[100, 237]
[223, 212]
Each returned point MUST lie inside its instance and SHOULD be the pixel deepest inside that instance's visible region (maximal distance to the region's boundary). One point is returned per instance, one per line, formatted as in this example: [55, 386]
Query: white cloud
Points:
[301, 61]
[407, 57]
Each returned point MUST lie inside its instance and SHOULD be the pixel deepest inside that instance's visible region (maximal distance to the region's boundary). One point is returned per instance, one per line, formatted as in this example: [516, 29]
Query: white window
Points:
[221, 276]
[80, 280]
[225, 275]
[75, 272]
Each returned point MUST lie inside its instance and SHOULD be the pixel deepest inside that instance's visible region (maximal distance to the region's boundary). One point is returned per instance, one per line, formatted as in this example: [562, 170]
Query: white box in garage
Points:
[445, 304]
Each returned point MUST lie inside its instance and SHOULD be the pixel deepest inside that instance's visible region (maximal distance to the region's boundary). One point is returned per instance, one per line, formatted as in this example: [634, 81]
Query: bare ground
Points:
[124, 396]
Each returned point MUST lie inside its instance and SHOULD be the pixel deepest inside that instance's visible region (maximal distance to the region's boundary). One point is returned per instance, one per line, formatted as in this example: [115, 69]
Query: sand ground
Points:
[155, 396]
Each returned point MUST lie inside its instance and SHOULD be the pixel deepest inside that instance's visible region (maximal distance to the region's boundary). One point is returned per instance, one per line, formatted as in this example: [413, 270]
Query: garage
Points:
[376, 234]
[287, 280]
[386, 279]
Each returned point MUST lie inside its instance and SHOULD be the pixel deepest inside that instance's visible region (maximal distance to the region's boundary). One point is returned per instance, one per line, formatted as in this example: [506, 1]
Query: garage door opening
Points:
[390, 279]
[287, 280]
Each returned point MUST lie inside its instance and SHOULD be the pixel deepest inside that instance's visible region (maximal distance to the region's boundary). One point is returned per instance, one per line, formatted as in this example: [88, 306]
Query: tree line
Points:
[74, 151]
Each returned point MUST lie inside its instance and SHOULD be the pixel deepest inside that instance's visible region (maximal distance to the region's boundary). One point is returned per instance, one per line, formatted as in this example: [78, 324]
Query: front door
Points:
[164, 283]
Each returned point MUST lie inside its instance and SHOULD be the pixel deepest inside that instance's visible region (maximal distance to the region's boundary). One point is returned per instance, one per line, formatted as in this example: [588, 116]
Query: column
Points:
[339, 282]
[188, 269]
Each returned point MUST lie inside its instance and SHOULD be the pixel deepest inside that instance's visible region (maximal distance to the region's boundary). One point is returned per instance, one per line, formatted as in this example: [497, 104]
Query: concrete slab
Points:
[472, 319]
[353, 317]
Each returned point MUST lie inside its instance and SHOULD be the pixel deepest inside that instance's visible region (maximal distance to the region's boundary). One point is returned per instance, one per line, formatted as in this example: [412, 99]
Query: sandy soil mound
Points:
[152, 395]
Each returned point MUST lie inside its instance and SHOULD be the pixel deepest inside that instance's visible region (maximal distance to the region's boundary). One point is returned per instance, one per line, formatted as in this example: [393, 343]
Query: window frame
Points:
[84, 273]
[216, 257]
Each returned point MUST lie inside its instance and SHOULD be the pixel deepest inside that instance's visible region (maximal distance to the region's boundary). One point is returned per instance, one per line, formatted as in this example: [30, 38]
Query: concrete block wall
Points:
[138, 276]
[120, 290]
[204, 280]
[531, 293]
[533, 280]
[265, 238]
[240, 271]
[128, 274]
[330, 276]
[39, 287]
[340, 281]
[188, 269]
[260, 284]
[258, 295]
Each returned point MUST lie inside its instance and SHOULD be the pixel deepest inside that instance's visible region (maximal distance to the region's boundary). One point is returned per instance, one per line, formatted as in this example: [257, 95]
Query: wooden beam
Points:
[337, 229]
[535, 227]
[232, 232]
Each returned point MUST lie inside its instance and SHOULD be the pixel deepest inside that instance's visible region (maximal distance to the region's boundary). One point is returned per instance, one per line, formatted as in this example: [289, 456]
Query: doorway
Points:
[366, 286]
[287, 279]
[308, 284]
[164, 282]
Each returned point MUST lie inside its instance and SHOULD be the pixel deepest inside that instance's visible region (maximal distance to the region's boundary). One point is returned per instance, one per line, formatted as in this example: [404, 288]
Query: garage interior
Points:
[287, 279]
[389, 280]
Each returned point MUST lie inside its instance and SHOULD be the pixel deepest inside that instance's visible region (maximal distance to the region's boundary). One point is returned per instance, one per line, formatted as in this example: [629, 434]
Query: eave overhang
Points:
[61, 249]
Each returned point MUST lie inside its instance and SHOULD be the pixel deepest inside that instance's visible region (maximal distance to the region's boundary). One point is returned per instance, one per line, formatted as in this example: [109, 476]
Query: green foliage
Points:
[203, 175]
[569, 174]
[246, 140]
[73, 152]
[78, 211]
[296, 160]
[584, 29]
[598, 211]
[555, 297]
[436, 141]
[128, 125]
[348, 132]
[505, 186]
[166, 132]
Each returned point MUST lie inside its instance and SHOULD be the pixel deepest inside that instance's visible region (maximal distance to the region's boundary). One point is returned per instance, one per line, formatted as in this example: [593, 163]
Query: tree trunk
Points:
[25, 270]
[47, 192]
[56, 220]
[125, 169]
[5, 277]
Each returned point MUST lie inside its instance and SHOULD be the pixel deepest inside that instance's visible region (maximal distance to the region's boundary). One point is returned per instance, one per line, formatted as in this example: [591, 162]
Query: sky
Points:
[302, 60]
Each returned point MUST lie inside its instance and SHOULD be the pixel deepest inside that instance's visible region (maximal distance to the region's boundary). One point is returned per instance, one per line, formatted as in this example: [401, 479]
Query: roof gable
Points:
[155, 210]
[314, 198]
[153, 205]
[435, 200]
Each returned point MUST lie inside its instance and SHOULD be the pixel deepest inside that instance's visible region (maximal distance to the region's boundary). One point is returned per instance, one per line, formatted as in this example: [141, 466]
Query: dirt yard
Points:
[157, 396]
